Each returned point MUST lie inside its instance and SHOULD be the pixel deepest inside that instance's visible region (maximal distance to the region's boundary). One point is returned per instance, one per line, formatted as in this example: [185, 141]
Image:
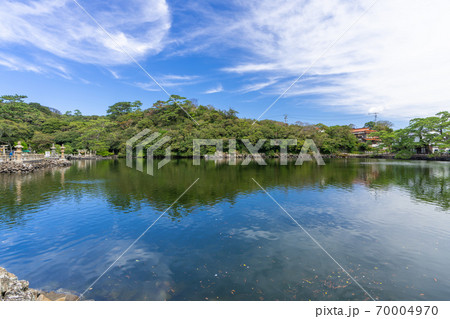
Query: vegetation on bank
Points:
[38, 127]
[430, 134]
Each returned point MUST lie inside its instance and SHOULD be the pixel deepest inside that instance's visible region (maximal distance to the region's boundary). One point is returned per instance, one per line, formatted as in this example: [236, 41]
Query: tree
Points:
[404, 140]
[122, 108]
[11, 132]
[441, 125]
[40, 127]
[379, 125]
[428, 131]
[387, 138]
[339, 139]
[53, 125]
[41, 141]
[13, 99]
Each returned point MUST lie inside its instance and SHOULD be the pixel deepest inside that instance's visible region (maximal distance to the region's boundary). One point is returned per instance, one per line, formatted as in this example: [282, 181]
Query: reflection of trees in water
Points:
[425, 181]
[20, 193]
[127, 190]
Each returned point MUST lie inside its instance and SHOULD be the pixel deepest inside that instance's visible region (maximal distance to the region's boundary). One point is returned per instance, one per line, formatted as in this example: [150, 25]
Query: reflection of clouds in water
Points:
[154, 277]
[132, 256]
[389, 163]
[141, 273]
[152, 282]
[96, 181]
[270, 264]
[323, 209]
[258, 213]
[252, 233]
[217, 211]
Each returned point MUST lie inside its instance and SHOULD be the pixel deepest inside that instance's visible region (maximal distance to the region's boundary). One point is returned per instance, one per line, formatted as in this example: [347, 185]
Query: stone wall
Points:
[15, 167]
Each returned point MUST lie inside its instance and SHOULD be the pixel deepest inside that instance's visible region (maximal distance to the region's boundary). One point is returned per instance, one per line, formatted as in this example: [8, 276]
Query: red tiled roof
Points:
[362, 130]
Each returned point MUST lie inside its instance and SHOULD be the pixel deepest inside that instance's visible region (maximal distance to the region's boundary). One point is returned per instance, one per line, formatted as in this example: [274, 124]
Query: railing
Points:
[25, 157]
[32, 157]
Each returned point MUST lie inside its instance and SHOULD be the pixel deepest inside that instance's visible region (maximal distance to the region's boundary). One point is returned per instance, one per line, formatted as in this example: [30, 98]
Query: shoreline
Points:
[29, 167]
[12, 167]
[13, 289]
[414, 157]
[90, 158]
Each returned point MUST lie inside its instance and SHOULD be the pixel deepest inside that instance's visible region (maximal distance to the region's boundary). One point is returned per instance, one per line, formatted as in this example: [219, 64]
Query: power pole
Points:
[285, 118]
[376, 116]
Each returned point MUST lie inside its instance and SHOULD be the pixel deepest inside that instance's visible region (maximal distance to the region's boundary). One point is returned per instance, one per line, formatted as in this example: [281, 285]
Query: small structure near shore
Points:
[53, 151]
[13, 289]
[3, 150]
[18, 154]
[84, 155]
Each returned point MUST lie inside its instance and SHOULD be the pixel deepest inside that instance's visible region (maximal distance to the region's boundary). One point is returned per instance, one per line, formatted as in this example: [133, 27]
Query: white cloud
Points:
[252, 67]
[16, 63]
[174, 77]
[61, 28]
[217, 89]
[168, 81]
[396, 59]
[147, 86]
[256, 86]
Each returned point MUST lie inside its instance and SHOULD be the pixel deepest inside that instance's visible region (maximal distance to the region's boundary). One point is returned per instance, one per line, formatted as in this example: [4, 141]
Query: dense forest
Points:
[38, 127]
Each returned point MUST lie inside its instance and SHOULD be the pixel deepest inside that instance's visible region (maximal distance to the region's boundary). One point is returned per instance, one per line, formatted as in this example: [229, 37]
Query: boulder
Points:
[13, 289]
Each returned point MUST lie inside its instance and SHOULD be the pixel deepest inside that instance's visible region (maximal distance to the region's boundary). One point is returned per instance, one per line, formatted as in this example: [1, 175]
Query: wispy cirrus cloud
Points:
[395, 60]
[16, 63]
[257, 85]
[216, 89]
[170, 81]
[59, 28]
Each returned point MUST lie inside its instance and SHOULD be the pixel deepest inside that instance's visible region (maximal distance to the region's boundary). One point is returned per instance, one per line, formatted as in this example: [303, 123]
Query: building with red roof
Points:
[363, 135]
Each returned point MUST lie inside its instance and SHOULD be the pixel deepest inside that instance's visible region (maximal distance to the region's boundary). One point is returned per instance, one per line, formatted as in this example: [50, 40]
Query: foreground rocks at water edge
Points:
[13, 289]
[15, 167]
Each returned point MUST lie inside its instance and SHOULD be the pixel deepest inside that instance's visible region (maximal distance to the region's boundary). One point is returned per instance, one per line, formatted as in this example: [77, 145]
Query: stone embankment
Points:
[13, 289]
[15, 167]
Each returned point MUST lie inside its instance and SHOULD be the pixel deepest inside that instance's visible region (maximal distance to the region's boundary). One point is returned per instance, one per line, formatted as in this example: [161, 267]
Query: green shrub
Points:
[104, 153]
[404, 155]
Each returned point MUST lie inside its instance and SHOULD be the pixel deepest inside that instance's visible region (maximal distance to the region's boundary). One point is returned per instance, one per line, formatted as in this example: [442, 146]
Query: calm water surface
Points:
[386, 222]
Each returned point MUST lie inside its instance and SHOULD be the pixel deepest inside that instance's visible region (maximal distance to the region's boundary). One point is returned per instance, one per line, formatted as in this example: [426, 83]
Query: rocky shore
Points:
[15, 167]
[13, 289]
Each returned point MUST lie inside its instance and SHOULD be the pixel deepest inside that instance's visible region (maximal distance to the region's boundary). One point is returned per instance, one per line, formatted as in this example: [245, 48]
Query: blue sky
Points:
[390, 57]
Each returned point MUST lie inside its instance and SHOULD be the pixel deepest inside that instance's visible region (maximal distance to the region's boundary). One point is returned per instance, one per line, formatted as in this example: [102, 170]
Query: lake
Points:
[386, 222]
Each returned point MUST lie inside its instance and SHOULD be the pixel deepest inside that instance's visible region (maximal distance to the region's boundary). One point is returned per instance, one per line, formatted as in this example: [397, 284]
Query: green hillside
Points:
[38, 127]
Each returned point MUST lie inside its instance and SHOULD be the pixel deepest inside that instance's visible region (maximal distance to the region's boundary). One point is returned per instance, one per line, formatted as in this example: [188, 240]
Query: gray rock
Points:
[13, 289]
[14, 167]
